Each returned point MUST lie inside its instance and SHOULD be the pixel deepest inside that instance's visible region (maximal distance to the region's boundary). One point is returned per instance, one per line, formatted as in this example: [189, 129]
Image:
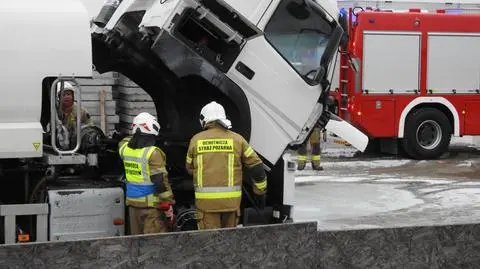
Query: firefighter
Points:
[67, 117]
[149, 196]
[68, 111]
[314, 142]
[215, 158]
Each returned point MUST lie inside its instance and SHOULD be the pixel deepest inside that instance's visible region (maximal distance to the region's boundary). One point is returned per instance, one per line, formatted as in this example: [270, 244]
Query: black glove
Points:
[261, 200]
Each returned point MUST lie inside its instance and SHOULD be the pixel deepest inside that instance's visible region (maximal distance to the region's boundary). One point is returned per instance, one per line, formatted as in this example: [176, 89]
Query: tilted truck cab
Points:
[263, 60]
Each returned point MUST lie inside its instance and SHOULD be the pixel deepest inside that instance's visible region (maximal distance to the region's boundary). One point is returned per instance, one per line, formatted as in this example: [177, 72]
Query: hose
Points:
[37, 188]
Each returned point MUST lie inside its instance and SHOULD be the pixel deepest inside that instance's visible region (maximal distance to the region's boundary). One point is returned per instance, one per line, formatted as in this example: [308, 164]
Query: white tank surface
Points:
[40, 39]
[93, 6]
[86, 213]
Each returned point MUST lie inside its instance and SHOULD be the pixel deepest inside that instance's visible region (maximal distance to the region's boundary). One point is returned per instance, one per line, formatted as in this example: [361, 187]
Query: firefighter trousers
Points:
[314, 142]
[146, 221]
[217, 220]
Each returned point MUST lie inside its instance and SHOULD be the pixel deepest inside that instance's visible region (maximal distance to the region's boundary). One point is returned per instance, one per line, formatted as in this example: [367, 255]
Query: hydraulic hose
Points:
[37, 187]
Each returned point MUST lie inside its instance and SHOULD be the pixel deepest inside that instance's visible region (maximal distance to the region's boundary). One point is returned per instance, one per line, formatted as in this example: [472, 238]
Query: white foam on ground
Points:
[456, 197]
[345, 200]
[414, 179]
[339, 152]
[465, 164]
[432, 189]
[313, 179]
[367, 164]
[370, 179]
[468, 183]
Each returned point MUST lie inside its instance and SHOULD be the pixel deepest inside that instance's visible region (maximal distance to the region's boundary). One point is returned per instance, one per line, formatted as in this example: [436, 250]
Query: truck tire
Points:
[427, 134]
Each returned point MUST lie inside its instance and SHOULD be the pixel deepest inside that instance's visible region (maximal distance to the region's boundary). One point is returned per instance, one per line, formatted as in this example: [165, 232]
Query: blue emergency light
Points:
[454, 11]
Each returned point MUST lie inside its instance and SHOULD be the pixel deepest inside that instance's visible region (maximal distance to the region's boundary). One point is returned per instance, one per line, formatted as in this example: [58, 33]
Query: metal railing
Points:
[54, 114]
[10, 212]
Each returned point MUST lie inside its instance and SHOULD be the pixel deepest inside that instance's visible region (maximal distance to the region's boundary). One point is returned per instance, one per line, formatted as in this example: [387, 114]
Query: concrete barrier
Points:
[290, 246]
[450, 247]
[276, 246]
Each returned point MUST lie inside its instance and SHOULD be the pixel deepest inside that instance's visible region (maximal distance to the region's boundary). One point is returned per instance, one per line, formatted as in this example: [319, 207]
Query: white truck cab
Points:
[265, 61]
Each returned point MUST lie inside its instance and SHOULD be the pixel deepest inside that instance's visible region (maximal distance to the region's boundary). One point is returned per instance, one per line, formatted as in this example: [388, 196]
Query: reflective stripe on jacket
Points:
[216, 157]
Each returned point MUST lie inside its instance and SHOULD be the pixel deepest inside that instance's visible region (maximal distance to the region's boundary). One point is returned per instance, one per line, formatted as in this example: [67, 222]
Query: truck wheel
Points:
[427, 134]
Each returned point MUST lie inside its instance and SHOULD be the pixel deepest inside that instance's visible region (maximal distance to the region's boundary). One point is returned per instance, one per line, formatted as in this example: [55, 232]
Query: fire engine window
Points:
[299, 35]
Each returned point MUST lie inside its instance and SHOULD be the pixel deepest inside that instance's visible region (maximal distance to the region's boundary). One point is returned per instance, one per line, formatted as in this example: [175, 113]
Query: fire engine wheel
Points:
[427, 134]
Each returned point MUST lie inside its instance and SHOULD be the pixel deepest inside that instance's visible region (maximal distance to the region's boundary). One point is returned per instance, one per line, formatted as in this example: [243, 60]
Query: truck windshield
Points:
[300, 35]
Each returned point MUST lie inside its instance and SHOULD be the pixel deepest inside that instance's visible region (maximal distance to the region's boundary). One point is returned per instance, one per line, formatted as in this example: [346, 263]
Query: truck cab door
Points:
[276, 70]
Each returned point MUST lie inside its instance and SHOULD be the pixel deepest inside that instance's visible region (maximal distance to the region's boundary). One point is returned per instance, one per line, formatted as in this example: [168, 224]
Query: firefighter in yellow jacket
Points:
[149, 196]
[216, 157]
[314, 142]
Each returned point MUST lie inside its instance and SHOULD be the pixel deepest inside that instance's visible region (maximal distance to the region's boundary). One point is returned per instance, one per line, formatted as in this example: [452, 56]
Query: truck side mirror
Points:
[343, 21]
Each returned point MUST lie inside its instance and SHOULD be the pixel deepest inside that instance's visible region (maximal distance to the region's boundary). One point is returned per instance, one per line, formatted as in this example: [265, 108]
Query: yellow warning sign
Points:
[36, 145]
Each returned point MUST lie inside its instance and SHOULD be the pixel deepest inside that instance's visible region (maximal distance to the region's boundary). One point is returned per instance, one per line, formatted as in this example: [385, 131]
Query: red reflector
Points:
[417, 10]
[118, 221]
[441, 11]
[23, 237]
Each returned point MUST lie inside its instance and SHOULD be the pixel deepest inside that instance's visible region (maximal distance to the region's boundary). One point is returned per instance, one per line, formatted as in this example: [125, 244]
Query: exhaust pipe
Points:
[106, 12]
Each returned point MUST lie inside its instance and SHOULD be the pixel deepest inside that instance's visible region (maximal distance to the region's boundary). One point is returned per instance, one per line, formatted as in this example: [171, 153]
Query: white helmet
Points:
[214, 112]
[67, 86]
[146, 123]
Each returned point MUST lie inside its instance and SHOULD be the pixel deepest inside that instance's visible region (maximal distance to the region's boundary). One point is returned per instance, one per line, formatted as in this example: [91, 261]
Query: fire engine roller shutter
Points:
[378, 117]
[453, 63]
[391, 62]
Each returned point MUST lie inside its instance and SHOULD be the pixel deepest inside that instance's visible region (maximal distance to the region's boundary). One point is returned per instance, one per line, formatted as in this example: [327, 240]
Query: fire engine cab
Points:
[411, 78]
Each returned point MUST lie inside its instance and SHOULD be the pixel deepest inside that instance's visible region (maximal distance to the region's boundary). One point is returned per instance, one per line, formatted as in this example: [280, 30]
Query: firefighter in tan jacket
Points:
[67, 117]
[314, 142]
[216, 157]
[149, 195]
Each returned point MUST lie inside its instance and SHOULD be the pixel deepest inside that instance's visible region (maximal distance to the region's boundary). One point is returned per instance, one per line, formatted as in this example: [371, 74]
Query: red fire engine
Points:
[412, 78]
